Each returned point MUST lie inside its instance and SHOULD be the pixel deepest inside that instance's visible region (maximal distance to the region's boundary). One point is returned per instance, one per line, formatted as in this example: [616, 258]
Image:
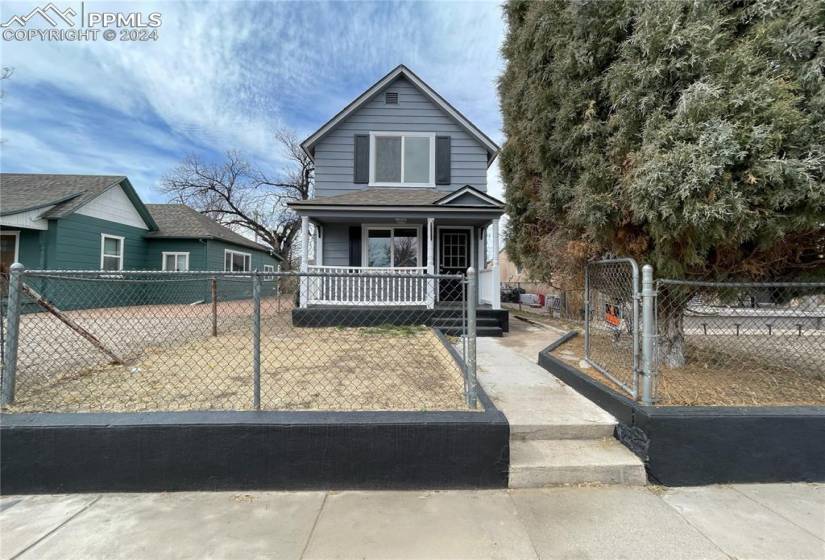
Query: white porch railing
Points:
[486, 286]
[362, 285]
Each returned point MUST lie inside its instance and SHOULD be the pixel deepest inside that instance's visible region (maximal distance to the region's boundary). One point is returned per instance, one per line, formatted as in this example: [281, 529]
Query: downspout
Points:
[44, 240]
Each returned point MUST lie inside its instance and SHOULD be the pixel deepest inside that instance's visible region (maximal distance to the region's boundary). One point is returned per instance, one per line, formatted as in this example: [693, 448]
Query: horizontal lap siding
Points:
[77, 242]
[414, 113]
[336, 244]
[195, 248]
[240, 288]
[29, 249]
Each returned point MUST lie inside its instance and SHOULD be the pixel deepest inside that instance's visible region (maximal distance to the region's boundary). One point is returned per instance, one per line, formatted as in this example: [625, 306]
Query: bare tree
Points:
[240, 195]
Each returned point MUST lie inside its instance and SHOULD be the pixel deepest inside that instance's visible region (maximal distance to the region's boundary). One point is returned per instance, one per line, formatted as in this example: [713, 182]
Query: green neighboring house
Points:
[95, 222]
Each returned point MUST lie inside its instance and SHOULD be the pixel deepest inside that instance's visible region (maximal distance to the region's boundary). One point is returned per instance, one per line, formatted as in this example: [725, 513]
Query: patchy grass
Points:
[371, 368]
[711, 377]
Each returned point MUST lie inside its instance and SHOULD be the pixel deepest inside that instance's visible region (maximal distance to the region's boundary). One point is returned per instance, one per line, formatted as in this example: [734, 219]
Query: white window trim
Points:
[16, 235]
[121, 257]
[269, 268]
[365, 257]
[230, 251]
[176, 254]
[429, 184]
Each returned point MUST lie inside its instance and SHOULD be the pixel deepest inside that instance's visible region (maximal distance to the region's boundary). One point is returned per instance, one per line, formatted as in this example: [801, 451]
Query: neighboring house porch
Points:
[394, 235]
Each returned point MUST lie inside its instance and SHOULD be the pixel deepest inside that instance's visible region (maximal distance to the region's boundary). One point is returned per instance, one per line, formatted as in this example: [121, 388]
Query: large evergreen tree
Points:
[687, 134]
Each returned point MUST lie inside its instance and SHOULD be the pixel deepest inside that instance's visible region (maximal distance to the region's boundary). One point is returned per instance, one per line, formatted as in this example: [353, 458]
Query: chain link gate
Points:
[612, 324]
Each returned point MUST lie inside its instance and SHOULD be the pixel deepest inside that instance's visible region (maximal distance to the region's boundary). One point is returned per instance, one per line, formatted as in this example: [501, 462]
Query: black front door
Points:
[453, 258]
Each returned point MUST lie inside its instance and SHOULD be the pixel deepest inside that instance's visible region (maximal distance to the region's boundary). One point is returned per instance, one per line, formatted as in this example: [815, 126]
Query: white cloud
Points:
[227, 74]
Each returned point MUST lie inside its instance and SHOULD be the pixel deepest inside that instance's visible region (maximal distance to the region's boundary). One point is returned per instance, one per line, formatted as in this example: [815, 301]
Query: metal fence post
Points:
[587, 311]
[214, 289]
[648, 337]
[472, 302]
[256, 340]
[12, 335]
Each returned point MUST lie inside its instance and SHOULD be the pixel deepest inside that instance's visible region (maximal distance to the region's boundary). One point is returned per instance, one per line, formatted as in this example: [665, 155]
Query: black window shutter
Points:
[442, 160]
[355, 246]
[361, 159]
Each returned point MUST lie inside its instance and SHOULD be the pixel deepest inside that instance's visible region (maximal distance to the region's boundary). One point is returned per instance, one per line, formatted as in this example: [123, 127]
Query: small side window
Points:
[111, 252]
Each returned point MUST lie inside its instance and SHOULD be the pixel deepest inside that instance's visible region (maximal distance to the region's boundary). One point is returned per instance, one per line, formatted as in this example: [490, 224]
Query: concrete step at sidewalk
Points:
[572, 430]
[539, 463]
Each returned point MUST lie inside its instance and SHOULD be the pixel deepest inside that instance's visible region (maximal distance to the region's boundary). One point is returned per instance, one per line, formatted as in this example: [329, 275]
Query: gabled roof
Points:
[178, 221]
[405, 198]
[308, 145]
[466, 193]
[65, 194]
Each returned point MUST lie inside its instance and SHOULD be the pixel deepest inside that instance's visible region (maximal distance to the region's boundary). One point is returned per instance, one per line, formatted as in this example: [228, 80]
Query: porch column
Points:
[496, 296]
[304, 259]
[430, 262]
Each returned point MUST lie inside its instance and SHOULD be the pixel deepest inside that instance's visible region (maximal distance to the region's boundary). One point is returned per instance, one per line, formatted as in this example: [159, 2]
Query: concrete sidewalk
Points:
[784, 521]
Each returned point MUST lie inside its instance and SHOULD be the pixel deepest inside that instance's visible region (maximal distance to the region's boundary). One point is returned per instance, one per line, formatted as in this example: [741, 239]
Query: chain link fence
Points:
[680, 342]
[136, 341]
[739, 343]
[611, 334]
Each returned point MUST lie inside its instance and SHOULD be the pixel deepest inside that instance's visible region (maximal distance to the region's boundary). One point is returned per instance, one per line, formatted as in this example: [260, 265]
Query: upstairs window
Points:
[400, 159]
[111, 252]
[235, 261]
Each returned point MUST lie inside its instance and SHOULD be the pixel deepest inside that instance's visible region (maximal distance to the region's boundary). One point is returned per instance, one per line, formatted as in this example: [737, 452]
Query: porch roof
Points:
[466, 200]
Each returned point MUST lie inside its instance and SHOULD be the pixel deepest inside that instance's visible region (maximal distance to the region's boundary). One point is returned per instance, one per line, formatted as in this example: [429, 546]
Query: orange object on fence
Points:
[612, 314]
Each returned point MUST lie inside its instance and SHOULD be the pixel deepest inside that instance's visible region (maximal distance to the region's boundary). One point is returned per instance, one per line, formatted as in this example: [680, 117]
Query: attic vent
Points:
[391, 98]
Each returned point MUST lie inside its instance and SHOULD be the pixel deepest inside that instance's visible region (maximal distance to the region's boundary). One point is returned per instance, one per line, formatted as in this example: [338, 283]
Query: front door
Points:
[453, 258]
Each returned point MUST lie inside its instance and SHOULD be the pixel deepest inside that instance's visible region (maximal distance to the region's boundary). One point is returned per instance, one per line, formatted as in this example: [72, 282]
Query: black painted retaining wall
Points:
[684, 446]
[139, 452]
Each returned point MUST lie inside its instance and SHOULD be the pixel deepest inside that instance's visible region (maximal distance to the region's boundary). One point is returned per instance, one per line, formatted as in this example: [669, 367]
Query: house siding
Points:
[197, 252]
[414, 113]
[114, 206]
[336, 244]
[238, 288]
[336, 241]
[75, 243]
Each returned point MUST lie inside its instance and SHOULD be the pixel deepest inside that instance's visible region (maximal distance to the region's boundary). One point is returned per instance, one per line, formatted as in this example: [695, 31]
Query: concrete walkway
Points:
[747, 521]
[556, 435]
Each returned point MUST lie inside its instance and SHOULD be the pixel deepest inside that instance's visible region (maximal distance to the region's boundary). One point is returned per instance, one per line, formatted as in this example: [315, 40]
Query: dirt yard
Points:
[173, 363]
[714, 375]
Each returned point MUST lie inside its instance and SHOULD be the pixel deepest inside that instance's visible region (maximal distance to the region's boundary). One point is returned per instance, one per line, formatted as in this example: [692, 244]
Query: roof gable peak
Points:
[401, 70]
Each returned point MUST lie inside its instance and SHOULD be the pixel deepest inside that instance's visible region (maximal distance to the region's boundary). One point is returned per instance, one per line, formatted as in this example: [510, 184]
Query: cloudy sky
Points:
[226, 75]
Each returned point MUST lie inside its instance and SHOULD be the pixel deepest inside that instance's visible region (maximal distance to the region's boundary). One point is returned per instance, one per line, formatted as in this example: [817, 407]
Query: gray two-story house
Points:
[400, 190]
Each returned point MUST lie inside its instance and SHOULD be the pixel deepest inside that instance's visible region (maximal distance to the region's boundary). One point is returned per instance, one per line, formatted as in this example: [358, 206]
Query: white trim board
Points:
[16, 235]
[29, 219]
[176, 254]
[121, 256]
[234, 252]
[467, 189]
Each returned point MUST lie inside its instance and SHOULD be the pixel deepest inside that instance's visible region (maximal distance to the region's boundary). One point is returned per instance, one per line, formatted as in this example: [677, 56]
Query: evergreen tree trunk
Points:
[672, 348]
